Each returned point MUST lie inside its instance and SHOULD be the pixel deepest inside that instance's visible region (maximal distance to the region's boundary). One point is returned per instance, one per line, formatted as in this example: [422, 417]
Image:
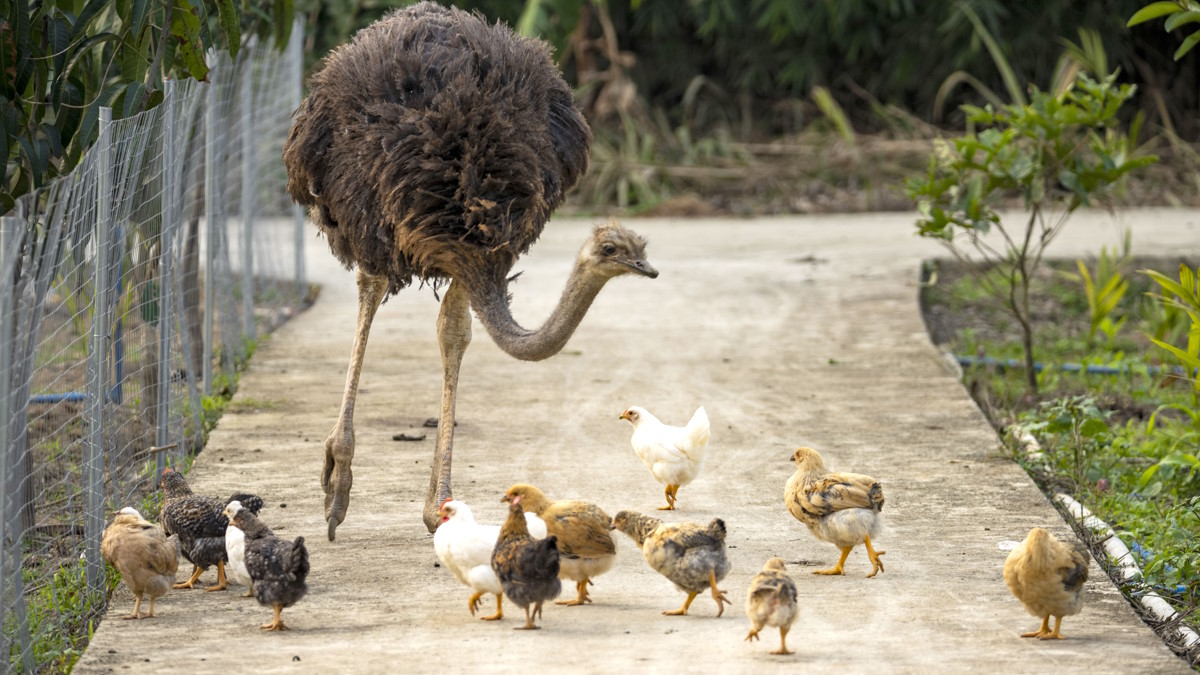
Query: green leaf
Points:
[1093, 427]
[138, 12]
[227, 15]
[1187, 45]
[1180, 19]
[185, 26]
[285, 16]
[1153, 11]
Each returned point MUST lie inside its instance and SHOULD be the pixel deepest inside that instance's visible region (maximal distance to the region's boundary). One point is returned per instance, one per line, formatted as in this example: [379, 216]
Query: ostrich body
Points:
[434, 147]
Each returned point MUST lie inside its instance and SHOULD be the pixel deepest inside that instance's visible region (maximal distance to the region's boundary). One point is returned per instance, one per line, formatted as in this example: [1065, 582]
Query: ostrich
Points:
[434, 147]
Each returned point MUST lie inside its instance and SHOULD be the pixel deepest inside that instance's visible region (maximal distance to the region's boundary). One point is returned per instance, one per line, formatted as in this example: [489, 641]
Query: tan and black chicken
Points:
[585, 545]
[1047, 576]
[278, 568]
[771, 601]
[843, 509]
[690, 555]
[198, 522]
[146, 558]
[527, 567]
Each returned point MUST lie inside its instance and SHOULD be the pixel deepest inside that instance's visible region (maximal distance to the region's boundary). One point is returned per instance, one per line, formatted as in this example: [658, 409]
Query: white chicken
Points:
[465, 546]
[235, 548]
[674, 455]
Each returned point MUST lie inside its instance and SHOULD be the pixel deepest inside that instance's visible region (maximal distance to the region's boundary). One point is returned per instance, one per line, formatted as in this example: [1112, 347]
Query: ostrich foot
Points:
[337, 478]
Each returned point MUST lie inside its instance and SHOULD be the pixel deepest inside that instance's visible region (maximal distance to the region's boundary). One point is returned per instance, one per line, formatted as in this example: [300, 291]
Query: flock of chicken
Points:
[207, 532]
[543, 541]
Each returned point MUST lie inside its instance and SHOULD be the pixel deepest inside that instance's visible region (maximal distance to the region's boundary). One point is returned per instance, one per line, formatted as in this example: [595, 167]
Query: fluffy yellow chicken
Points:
[690, 555]
[586, 548]
[771, 601]
[145, 557]
[1047, 576]
[840, 508]
[674, 455]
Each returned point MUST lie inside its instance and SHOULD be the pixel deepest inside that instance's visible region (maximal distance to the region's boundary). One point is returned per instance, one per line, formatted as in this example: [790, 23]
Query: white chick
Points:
[674, 455]
[465, 547]
[235, 548]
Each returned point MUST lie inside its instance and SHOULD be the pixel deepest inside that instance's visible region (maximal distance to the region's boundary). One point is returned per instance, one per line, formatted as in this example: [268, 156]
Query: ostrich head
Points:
[613, 250]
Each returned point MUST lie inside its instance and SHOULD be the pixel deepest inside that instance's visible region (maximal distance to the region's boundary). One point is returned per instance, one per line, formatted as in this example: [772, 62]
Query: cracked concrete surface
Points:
[790, 331]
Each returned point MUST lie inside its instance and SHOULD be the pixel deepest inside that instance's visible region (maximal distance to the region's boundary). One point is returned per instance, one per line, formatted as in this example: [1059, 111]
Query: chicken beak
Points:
[507, 499]
[624, 416]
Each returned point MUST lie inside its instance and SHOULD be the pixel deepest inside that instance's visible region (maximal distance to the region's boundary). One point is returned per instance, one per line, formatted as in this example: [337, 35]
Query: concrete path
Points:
[790, 331]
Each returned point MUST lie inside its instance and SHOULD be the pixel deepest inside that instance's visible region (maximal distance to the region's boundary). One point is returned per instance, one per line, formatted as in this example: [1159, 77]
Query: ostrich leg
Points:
[339, 446]
[454, 334]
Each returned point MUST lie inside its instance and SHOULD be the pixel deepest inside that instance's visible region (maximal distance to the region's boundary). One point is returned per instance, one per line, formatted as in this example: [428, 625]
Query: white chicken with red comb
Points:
[465, 547]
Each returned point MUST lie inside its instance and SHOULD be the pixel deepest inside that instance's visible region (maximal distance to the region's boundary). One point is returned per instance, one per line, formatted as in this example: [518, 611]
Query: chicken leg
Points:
[152, 615]
[581, 595]
[783, 650]
[454, 335]
[1055, 635]
[336, 477]
[669, 491]
[499, 610]
[222, 582]
[682, 611]
[191, 582]
[277, 624]
[137, 608]
[718, 595]
[1044, 631]
[876, 563]
[529, 620]
[837, 569]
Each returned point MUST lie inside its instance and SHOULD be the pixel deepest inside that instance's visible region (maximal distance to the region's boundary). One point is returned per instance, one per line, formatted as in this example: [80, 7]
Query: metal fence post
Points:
[8, 232]
[211, 204]
[166, 239]
[296, 54]
[94, 453]
[249, 174]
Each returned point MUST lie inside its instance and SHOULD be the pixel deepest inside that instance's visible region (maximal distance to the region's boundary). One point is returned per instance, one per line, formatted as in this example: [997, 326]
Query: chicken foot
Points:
[837, 569]
[1043, 631]
[137, 608]
[454, 335]
[499, 610]
[718, 595]
[336, 477]
[670, 491]
[783, 650]
[537, 611]
[222, 582]
[682, 611]
[581, 597]
[277, 624]
[876, 563]
[191, 582]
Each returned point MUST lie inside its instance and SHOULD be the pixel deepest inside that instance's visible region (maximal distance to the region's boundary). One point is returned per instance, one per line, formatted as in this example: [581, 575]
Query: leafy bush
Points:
[1056, 153]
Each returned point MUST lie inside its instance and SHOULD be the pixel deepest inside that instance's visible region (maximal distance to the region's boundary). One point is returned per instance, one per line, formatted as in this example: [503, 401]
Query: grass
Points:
[1125, 446]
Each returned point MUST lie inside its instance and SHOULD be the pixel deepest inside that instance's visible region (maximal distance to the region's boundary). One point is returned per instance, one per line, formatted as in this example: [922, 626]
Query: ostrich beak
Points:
[640, 266]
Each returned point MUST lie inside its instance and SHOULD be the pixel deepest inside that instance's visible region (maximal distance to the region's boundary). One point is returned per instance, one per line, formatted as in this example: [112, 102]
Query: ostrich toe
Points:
[336, 480]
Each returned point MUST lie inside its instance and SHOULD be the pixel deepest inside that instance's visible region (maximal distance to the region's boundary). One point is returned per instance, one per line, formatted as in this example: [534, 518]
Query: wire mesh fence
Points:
[130, 290]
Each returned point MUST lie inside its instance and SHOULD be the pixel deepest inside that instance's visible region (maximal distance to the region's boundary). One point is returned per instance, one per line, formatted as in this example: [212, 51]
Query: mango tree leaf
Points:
[228, 17]
[1187, 45]
[185, 27]
[1180, 19]
[1153, 11]
[285, 16]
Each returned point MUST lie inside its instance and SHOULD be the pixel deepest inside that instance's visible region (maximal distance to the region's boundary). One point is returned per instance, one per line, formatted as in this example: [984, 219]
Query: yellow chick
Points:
[1047, 576]
[840, 508]
[771, 601]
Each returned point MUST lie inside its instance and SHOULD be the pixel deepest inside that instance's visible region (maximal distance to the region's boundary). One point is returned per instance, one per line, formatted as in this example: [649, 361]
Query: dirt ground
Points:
[790, 331]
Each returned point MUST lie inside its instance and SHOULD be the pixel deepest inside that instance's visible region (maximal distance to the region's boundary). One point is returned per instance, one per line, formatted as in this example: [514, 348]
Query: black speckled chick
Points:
[198, 522]
[277, 567]
[527, 567]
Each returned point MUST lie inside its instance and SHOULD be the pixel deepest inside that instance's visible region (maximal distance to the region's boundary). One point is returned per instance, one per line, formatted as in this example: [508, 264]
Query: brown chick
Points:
[1047, 576]
[585, 547]
[527, 567]
[771, 601]
[843, 509]
[690, 555]
[145, 557]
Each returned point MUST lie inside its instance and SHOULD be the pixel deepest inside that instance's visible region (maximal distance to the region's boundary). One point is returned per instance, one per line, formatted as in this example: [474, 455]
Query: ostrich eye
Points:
[608, 249]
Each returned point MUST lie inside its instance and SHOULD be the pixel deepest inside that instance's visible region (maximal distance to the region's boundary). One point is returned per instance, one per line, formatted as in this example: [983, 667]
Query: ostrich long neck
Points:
[491, 306]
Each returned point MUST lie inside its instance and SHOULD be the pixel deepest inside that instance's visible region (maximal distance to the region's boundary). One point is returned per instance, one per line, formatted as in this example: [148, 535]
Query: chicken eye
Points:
[608, 249]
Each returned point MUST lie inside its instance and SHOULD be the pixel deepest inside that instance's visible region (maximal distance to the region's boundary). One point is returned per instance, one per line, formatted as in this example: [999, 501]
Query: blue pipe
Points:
[73, 397]
[1090, 369]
